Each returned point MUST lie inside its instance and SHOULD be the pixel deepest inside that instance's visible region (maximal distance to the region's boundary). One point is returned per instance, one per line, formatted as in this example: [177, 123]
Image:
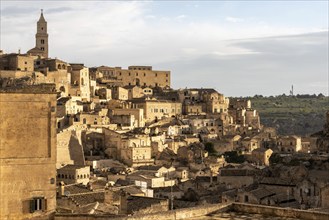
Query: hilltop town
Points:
[121, 142]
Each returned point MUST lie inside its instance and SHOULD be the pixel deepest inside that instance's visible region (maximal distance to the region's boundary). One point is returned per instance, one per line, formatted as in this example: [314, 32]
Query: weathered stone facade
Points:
[28, 152]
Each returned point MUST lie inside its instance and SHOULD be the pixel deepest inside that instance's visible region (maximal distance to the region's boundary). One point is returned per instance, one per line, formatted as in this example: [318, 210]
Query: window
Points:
[156, 74]
[246, 198]
[42, 41]
[38, 204]
[42, 48]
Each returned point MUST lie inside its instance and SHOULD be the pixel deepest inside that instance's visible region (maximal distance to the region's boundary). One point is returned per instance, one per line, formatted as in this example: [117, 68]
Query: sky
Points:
[239, 48]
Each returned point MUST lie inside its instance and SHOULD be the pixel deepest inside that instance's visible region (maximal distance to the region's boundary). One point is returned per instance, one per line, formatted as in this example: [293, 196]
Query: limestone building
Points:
[41, 39]
[143, 76]
[16, 62]
[290, 144]
[80, 83]
[157, 109]
[27, 152]
[71, 174]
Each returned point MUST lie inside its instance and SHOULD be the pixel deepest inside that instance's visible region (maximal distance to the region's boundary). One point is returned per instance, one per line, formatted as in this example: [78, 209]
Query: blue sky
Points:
[239, 48]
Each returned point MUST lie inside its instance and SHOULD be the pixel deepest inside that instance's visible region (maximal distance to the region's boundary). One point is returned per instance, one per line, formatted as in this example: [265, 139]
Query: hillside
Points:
[301, 114]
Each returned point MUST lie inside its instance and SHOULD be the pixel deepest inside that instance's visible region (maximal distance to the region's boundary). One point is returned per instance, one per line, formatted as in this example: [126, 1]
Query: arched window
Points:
[59, 66]
[63, 67]
[62, 176]
[82, 81]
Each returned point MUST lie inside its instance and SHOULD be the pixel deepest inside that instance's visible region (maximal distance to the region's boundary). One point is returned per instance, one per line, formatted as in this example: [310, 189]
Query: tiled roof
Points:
[167, 189]
[136, 203]
[236, 172]
[133, 190]
[150, 167]
[261, 193]
[205, 179]
[74, 189]
[283, 198]
[277, 181]
[84, 199]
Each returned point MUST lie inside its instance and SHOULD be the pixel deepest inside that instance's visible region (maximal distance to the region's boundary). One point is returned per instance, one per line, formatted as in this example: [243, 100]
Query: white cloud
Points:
[180, 17]
[234, 19]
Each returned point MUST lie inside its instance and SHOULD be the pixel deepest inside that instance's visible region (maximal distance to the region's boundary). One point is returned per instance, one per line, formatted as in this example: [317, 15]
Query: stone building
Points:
[120, 93]
[157, 109]
[70, 174]
[262, 156]
[135, 75]
[138, 92]
[28, 152]
[209, 99]
[80, 83]
[17, 62]
[41, 39]
[290, 144]
[136, 112]
[132, 149]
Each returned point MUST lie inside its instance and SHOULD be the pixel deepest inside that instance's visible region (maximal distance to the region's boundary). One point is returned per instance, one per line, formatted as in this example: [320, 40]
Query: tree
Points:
[234, 157]
[210, 148]
[275, 159]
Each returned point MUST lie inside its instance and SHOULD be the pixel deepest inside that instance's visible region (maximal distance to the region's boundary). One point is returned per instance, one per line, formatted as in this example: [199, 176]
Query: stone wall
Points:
[168, 215]
[14, 74]
[69, 148]
[188, 213]
[281, 212]
[27, 152]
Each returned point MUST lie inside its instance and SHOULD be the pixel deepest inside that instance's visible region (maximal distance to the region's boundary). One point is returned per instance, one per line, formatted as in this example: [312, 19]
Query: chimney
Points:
[61, 189]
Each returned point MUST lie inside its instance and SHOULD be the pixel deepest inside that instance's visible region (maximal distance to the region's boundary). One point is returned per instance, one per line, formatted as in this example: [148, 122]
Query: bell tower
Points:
[41, 37]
